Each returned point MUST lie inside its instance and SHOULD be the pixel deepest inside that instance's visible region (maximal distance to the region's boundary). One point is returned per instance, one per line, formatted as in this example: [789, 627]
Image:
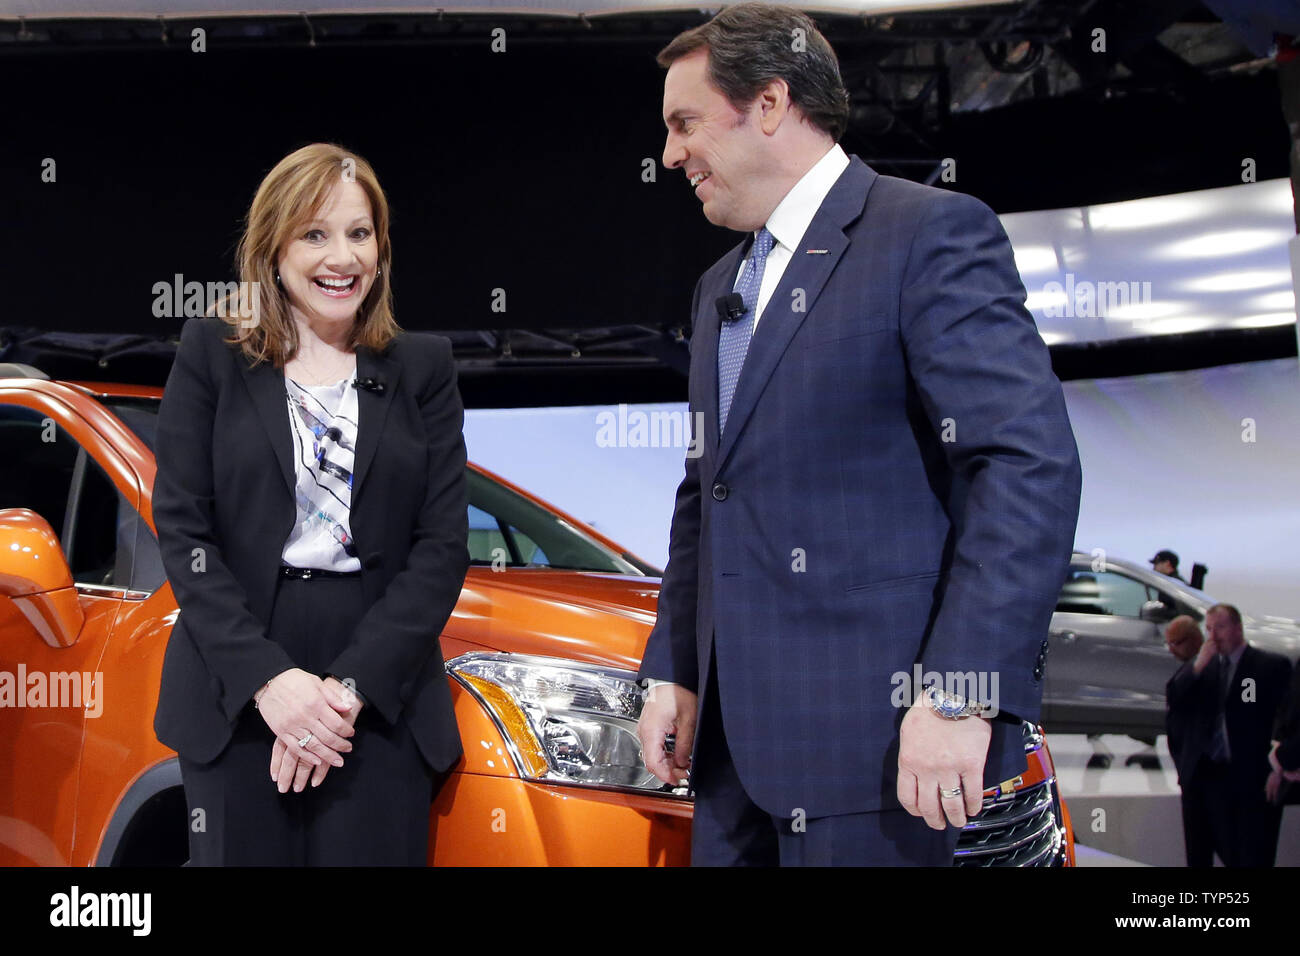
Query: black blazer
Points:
[1251, 723]
[1187, 700]
[1192, 703]
[1287, 729]
[223, 505]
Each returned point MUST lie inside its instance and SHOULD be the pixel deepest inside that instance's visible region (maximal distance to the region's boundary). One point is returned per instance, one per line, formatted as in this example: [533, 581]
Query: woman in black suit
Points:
[310, 506]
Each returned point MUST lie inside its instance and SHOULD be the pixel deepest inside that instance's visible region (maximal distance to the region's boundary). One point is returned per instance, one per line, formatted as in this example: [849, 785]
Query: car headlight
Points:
[563, 721]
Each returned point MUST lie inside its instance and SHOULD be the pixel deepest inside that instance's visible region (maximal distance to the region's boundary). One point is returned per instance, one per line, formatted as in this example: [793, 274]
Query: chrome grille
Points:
[1020, 828]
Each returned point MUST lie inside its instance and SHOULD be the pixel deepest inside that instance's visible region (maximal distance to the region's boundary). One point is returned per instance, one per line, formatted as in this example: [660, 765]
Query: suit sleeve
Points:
[670, 652]
[397, 634]
[230, 640]
[980, 366]
[1182, 691]
[1287, 729]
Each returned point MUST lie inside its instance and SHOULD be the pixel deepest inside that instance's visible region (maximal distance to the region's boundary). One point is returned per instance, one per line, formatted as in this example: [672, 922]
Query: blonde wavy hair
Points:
[287, 199]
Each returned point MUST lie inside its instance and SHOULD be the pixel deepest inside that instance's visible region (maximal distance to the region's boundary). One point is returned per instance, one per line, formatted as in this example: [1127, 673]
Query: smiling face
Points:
[329, 265]
[721, 149]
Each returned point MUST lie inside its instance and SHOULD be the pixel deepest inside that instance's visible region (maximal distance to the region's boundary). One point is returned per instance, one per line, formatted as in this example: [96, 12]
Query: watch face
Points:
[947, 705]
[950, 708]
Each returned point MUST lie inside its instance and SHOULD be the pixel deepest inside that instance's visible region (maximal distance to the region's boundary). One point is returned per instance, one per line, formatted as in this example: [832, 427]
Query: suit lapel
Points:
[372, 409]
[809, 273]
[266, 385]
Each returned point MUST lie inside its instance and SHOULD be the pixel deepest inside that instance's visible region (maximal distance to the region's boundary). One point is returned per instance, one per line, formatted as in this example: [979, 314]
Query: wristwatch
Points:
[951, 706]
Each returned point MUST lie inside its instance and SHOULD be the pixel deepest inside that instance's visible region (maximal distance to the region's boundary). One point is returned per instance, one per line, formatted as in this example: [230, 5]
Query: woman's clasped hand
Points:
[312, 720]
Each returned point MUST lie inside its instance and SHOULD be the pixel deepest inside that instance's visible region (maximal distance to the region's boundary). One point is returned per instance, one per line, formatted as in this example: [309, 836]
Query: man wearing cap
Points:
[1166, 563]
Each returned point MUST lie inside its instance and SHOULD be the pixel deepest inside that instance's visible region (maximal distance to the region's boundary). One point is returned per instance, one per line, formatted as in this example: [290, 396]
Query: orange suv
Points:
[542, 652]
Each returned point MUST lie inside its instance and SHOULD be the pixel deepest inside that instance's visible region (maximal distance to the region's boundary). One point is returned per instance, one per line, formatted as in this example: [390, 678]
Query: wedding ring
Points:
[305, 741]
[954, 792]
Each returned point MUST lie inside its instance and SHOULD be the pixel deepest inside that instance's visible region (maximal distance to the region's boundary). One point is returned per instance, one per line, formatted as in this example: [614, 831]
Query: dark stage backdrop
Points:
[520, 171]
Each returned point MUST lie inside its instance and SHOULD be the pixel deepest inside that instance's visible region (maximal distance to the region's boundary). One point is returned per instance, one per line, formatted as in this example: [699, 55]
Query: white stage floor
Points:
[1128, 813]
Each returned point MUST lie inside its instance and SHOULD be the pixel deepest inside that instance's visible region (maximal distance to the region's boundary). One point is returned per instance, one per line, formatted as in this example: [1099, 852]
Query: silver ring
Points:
[954, 792]
[305, 741]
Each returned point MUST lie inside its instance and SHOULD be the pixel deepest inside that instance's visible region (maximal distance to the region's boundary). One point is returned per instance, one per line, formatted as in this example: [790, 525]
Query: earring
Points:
[277, 278]
[379, 270]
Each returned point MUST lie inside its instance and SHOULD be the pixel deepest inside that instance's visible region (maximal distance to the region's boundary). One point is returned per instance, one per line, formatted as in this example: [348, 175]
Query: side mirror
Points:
[1157, 612]
[34, 574]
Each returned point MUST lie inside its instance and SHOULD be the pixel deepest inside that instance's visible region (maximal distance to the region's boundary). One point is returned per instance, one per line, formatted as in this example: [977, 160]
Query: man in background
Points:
[1166, 562]
[1182, 723]
[1229, 698]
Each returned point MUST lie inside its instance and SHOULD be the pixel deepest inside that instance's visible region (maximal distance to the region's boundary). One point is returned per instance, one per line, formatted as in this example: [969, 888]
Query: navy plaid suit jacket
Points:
[833, 538]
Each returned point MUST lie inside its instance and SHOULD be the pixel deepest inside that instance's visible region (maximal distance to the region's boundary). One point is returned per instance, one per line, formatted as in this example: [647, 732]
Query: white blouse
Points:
[324, 427]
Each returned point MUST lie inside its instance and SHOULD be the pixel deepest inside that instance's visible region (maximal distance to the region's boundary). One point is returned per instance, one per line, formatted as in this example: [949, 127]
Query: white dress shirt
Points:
[791, 218]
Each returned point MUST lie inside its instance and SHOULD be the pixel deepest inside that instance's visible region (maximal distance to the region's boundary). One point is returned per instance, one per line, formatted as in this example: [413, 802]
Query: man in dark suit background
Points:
[1185, 726]
[888, 482]
[1229, 700]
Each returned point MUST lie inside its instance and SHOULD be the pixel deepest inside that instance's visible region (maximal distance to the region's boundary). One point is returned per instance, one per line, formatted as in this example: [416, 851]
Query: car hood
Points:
[579, 615]
[1278, 634]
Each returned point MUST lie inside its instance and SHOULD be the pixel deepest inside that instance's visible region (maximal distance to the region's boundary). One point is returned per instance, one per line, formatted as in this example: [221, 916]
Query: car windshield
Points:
[506, 529]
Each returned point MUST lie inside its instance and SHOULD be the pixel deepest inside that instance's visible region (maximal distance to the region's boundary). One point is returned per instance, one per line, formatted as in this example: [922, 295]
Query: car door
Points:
[55, 689]
[1106, 666]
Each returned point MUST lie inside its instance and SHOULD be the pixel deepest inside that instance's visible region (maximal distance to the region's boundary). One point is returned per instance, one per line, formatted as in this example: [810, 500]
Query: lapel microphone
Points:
[730, 307]
[375, 385]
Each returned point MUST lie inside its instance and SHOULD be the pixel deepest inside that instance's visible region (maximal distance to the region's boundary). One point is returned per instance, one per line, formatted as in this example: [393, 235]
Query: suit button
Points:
[1040, 665]
[719, 492]
[373, 560]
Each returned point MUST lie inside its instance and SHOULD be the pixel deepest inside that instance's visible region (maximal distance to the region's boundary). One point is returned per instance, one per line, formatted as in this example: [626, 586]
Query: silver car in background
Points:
[1107, 664]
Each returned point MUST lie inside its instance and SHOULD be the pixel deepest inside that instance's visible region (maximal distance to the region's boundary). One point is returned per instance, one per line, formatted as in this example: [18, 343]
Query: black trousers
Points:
[1224, 812]
[372, 811]
[729, 829]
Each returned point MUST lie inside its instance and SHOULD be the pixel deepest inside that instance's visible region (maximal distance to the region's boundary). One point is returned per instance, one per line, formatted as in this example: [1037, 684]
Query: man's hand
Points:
[669, 709]
[297, 703]
[287, 771]
[1203, 657]
[1273, 787]
[936, 752]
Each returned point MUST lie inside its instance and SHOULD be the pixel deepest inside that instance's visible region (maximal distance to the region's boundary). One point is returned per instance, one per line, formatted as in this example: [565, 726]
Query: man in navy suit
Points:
[888, 487]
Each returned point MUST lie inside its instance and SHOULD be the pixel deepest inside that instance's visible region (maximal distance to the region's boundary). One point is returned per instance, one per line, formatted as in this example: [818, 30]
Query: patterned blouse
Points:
[324, 426]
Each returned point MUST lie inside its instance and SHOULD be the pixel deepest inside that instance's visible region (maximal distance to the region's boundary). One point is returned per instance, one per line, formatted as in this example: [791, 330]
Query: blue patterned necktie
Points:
[733, 340]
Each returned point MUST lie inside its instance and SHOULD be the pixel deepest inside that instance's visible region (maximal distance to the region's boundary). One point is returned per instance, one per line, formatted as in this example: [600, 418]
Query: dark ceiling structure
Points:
[1047, 103]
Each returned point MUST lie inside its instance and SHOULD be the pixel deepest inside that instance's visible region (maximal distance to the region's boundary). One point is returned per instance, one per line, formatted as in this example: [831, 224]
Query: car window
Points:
[1102, 592]
[107, 542]
[103, 537]
[505, 528]
[39, 459]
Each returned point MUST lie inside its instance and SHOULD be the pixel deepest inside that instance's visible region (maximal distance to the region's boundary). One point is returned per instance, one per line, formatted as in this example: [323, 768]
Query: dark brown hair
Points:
[752, 44]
